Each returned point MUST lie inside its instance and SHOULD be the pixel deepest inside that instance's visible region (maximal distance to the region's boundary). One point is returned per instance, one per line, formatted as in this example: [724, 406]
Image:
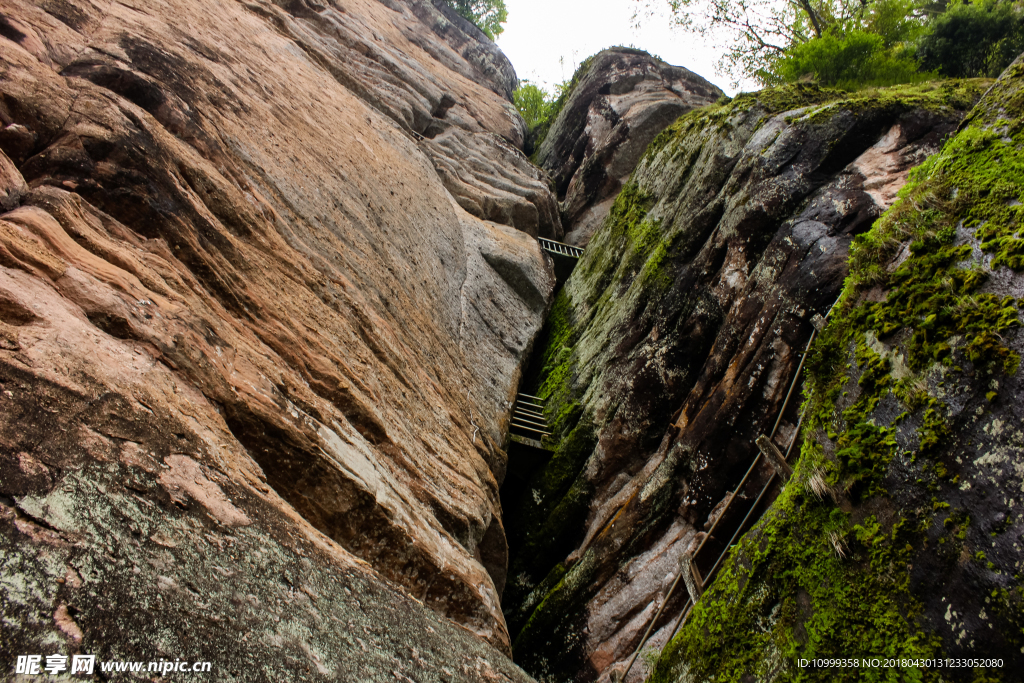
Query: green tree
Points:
[533, 103]
[849, 61]
[488, 15]
[782, 40]
[537, 107]
[978, 39]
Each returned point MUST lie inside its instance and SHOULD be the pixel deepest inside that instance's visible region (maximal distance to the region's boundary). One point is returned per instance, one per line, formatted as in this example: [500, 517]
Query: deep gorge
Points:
[270, 284]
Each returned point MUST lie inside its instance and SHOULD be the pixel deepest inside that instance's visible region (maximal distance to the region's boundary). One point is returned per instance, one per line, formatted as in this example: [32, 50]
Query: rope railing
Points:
[688, 572]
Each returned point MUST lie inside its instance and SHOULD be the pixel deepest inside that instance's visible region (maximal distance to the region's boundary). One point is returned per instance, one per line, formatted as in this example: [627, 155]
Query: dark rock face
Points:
[622, 101]
[256, 358]
[901, 530]
[673, 345]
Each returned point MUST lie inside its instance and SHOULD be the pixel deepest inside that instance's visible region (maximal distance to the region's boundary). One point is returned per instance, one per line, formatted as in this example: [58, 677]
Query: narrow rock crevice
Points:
[672, 347]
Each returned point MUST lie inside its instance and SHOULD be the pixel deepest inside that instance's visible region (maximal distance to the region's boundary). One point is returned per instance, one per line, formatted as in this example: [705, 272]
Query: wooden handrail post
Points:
[774, 457]
[691, 575]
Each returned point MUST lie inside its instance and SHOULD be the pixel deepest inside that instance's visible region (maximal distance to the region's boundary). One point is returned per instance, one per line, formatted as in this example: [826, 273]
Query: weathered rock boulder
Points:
[672, 346]
[621, 99]
[900, 535]
[256, 344]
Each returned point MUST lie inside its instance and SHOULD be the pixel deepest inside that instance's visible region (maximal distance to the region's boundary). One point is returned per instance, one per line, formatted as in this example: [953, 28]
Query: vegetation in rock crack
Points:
[539, 108]
[488, 15]
[854, 43]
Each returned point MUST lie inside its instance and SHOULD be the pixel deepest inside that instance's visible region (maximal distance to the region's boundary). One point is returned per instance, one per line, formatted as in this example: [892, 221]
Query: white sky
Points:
[539, 33]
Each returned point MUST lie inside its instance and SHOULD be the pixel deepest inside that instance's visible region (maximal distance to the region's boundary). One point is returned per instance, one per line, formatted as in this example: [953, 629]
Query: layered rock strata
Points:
[620, 100]
[257, 343]
[673, 345]
[900, 534]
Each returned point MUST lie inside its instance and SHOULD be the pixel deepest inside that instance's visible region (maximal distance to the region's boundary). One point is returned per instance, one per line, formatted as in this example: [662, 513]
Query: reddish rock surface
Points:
[256, 344]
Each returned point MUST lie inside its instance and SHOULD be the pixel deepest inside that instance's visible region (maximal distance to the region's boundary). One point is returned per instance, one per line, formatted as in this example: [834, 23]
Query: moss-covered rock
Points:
[914, 424]
[674, 341]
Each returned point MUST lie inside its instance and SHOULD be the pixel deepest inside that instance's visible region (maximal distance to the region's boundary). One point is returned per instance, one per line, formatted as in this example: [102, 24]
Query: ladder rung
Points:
[528, 396]
[559, 248]
[531, 405]
[519, 438]
[534, 421]
[531, 429]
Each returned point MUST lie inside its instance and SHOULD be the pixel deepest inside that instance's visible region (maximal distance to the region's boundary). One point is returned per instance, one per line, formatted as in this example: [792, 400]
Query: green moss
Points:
[627, 233]
[636, 237]
[556, 355]
[787, 97]
[556, 626]
[977, 181]
[553, 511]
[959, 95]
[787, 593]
[770, 101]
[773, 101]
[1008, 605]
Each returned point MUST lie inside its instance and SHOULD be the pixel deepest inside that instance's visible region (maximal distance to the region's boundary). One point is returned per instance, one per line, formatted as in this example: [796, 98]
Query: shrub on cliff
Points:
[775, 42]
[855, 43]
[847, 61]
[488, 15]
[539, 108]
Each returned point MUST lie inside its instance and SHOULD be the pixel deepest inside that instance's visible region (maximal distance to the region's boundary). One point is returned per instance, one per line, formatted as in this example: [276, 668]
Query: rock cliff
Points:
[900, 534]
[266, 287]
[672, 346]
[620, 100]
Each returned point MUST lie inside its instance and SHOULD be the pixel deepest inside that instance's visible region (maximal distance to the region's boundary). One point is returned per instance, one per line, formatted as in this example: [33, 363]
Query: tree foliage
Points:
[488, 15]
[979, 39]
[854, 43]
[537, 107]
[533, 103]
[849, 61]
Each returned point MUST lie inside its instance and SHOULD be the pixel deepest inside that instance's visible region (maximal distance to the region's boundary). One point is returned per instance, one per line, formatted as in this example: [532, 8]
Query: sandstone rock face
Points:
[673, 345]
[257, 343]
[623, 99]
[901, 529]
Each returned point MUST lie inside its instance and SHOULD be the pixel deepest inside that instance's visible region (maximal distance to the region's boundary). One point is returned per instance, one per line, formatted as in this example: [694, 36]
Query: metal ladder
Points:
[528, 416]
[559, 249]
